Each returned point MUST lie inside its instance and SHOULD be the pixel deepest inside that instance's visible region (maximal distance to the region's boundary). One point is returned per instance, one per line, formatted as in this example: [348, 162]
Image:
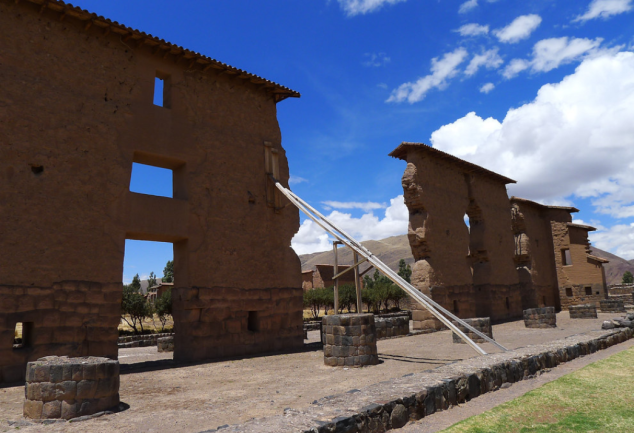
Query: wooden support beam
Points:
[366, 271]
[336, 269]
[209, 66]
[350, 268]
[357, 284]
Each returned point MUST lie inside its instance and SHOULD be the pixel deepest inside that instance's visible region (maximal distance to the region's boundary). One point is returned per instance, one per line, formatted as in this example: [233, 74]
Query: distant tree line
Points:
[379, 294]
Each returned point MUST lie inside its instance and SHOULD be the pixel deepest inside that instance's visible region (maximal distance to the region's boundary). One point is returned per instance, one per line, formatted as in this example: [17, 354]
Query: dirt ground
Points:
[200, 397]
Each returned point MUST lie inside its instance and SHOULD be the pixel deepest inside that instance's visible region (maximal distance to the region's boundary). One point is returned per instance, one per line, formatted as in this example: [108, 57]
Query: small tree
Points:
[168, 272]
[404, 271]
[134, 308]
[136, 283]
[163, 308]
[347, 297]
[151, 280]
[628, 278]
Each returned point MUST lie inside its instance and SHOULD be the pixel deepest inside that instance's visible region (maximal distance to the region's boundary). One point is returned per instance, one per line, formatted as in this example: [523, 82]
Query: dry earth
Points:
[200, 397]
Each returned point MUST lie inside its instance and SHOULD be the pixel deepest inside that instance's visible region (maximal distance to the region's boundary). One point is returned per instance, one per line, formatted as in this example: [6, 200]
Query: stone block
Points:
[70, 409]
[86, 389]
[33, 409]
[52, 409]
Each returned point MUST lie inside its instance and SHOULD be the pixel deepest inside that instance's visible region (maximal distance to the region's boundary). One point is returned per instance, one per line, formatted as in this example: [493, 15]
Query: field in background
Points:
[153, 324]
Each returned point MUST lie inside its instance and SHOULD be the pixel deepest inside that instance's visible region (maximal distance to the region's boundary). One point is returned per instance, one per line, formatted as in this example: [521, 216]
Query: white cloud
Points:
[551, 53]
[366, 206]
[376, 59]
[441, 71]
[362, 7]
[575, 138]
[467, 6]
[487, 87]
[311, 238]
[605, 9]
[473, 29]
[294, 180]
[489, 59]
[520, 28]
[618, 239]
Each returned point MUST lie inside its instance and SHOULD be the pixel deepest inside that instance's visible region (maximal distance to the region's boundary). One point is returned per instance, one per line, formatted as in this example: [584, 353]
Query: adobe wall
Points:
[473, 272]
[76, 111]
[584, 274]
[534, 256]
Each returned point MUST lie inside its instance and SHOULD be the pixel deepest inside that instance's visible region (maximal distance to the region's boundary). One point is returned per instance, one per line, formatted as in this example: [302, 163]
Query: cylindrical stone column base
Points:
[612, 306]
[62, 387]
[540, 317]
[585, 311]
[349, 340]
[482, 324]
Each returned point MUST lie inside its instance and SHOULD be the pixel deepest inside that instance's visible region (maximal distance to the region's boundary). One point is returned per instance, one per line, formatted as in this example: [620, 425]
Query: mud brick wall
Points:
[61, 387]
[67, 208]
[587, 311]
[349, 340]
[482, 324]
[73, 318]
[224, 322]
[540, 317]
[468, 270]
[387, 327]
[612, 306]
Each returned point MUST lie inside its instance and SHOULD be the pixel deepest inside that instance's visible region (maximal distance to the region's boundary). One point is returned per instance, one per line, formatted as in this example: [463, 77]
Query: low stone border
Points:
[165, 344]
[611, 306]
[482, 324]
[141, 340]
[392, 403]
[391, 326]
[586, 311]
[544, 317]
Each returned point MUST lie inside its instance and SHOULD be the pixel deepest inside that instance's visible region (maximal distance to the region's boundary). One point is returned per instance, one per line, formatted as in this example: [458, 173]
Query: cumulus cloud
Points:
[311, 238]
[605, 9]
[362, 7]
[618, 239]
[467, 6]
[376, 59]
[520, 28]
[489, 59]
[487, 88]
[473, 29]
[441, 72]
[549, 54]
[366, 206]
[576, 138]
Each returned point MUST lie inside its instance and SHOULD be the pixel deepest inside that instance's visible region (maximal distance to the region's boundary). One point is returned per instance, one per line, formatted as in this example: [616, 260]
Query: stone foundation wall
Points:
[620, 289]
[70, 318]
[141, 340]
[587, 311]
[61, 387]
[482, 324]
[165, 344]
[540, 317]
[387, 327]
[349, 340]
[612, 306]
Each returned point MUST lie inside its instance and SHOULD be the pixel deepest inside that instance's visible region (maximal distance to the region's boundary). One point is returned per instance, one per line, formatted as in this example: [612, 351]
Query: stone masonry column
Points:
[349, 340]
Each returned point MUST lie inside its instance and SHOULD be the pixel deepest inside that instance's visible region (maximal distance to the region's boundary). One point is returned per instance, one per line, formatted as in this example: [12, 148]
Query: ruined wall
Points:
[469, 271]
[534, 257]
[76, 111]
[582, 281]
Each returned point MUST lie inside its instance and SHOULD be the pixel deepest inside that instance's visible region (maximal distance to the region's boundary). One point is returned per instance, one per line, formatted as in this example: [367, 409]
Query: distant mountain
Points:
[617, 266]
[395, 248]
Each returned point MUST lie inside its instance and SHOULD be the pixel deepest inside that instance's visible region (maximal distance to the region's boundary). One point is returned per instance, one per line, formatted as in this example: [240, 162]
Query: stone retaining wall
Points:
[62, 387]
[165, 344]
[612, 306]
[141, 340]
[620, 289]
[586, 311]
[349, 340]
[391, 326]
[482, 324]
[540, 317]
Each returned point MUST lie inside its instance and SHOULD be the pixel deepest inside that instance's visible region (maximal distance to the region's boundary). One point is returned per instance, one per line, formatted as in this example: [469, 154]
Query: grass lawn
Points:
[597, 398]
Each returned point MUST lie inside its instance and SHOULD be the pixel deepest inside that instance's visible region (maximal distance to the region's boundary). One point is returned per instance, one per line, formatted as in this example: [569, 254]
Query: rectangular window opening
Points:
[162, 88]
[22, 335]
[253, 322]
[151, 180]
[456, 309]
[565, 257]
[568, 291]
[588, 291]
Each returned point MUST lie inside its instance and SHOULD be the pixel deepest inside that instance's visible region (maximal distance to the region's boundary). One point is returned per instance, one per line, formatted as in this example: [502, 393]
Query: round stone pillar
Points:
[349, 340]
[62, 387]
[482, 324]
[544, 317]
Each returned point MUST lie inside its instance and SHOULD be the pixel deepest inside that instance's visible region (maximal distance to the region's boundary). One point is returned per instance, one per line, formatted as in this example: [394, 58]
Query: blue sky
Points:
[540, 91]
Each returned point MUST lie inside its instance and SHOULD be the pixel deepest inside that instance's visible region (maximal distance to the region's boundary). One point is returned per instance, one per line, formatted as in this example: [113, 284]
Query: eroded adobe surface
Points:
[76, 110]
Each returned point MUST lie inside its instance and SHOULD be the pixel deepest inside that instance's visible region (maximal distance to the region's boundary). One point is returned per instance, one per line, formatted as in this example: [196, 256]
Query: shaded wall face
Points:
[470, 273]
[76, 112]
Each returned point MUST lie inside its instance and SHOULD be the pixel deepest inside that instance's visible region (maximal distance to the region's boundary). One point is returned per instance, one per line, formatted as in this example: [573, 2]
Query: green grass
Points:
[597, 398]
